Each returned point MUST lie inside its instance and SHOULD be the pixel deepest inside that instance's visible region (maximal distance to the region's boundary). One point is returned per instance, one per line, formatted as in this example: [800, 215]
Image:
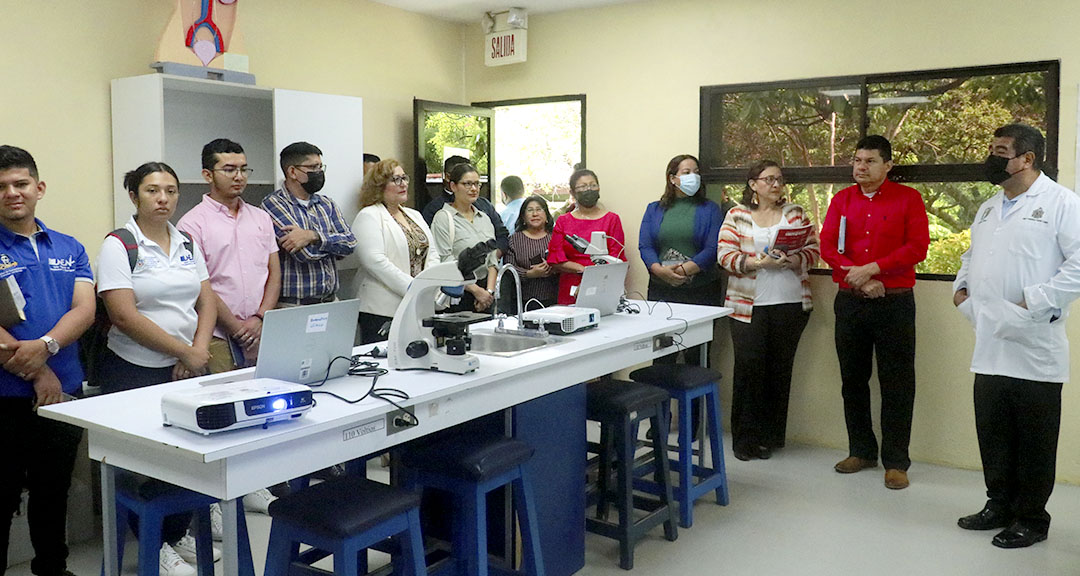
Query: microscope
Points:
[419, 338]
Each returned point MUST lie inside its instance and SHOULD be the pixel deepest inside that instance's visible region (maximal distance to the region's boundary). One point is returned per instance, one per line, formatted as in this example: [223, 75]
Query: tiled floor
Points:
[794, 515]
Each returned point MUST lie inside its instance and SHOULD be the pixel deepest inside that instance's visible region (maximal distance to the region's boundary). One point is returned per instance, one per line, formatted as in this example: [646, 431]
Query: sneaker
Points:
[217, 523]
[259, 501]
[171, 564]
[186, 549]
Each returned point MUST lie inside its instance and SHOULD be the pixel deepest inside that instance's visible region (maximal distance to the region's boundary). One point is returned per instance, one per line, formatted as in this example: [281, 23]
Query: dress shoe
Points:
[745, 454]
[764, 452]
[1018, 536]
[896, 479]
[985, 519]
[853, 464]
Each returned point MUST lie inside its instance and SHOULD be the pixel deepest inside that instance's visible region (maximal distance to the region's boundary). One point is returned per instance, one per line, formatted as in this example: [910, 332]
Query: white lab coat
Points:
[1033, 256]
[383, 253]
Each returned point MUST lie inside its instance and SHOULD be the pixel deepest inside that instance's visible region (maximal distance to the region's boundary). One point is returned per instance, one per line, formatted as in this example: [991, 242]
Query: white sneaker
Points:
[171, 564]
[186, 549]
[259, 501]
[217, 523]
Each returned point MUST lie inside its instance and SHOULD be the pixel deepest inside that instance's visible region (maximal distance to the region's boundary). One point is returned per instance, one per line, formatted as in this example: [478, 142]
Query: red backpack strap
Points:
[128, 240]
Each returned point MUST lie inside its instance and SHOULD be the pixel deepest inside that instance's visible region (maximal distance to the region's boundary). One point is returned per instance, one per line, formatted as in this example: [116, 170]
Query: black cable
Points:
[367, 368]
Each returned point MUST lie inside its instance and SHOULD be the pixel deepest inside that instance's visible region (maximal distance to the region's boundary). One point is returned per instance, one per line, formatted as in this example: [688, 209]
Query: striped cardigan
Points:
[736, 244]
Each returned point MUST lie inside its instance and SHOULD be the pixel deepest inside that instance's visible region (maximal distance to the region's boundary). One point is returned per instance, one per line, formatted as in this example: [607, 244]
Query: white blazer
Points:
[383, 254]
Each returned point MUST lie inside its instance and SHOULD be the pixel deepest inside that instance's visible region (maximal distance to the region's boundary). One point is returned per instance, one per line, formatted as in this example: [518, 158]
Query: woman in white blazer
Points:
[394, 244]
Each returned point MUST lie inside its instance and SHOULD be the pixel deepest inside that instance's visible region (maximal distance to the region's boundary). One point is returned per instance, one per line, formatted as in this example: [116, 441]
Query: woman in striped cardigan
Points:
[770, 293]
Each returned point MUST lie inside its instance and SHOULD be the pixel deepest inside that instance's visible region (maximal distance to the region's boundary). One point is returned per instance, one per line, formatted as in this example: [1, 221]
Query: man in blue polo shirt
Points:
[50, 272]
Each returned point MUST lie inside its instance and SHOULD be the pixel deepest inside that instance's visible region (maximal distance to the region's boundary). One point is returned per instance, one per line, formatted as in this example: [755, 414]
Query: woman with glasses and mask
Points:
[587, 217]
[460, 225]
[528, 255]
[394, 244]
[770, 293]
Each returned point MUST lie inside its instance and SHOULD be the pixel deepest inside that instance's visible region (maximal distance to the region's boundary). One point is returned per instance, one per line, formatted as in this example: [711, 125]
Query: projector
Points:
[562, 319]
[227, 406]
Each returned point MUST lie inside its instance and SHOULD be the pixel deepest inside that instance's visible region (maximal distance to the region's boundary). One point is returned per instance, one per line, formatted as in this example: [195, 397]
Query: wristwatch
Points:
[51, 344]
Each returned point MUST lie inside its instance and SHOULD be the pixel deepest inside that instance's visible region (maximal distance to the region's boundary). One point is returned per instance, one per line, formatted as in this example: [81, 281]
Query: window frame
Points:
[711, 122]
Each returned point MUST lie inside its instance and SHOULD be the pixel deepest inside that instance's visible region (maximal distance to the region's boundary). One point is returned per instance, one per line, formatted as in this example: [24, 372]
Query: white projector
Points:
[562, 319]
[230, 405]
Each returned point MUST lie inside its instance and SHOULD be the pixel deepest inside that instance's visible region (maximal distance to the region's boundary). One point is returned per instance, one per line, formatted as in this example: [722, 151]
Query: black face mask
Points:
[587, 198]
[995, 168]
[315, 182]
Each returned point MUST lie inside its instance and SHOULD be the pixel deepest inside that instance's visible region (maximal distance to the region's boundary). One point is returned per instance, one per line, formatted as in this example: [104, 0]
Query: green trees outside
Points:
[445, 129]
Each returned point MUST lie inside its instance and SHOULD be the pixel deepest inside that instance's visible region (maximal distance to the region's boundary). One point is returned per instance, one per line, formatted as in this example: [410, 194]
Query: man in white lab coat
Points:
[1015, 285]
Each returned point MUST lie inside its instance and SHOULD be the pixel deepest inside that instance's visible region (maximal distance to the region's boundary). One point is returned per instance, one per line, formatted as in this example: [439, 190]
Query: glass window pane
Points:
[447, 134]
[540, 143]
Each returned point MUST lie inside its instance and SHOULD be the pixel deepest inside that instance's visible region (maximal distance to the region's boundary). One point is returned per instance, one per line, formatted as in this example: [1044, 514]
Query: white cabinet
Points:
[157, 117]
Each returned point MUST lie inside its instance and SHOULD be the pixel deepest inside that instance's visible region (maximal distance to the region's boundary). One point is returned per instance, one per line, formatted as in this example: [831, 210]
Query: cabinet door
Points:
[138, 134]
[335, 125]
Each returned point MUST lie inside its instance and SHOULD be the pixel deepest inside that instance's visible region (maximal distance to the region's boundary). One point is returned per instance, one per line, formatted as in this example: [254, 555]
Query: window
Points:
[939, 122]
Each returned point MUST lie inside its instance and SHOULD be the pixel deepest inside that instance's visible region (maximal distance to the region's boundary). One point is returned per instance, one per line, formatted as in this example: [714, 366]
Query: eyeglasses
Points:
[772, 180]
[532, 210]
[472, 184]
[306, 169]
[400, 180]
[592, 188]
[231, 171]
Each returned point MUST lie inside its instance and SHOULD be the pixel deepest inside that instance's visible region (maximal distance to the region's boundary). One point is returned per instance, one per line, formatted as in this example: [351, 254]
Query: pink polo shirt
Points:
[237, 252]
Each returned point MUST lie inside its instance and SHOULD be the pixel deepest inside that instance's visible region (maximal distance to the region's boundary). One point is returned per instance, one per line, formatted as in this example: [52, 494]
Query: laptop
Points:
[299, 343]
[601, 287]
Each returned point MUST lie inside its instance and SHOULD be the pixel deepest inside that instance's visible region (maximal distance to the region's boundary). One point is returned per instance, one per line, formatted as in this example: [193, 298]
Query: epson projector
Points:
[231, 405]
[562, 319]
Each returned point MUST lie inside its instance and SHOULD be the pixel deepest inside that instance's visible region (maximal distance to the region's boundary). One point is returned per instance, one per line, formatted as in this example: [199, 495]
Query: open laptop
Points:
[299, 343]
[601, 286]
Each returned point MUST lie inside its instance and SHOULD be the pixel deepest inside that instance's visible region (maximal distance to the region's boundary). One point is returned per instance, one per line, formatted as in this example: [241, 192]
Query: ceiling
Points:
[473, 10]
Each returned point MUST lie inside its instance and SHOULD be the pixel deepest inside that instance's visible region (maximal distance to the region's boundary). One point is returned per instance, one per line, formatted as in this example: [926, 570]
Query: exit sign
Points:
[507, 47]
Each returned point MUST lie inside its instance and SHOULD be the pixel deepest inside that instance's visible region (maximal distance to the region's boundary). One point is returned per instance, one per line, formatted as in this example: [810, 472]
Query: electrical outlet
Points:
[399, 420]
[662, 341]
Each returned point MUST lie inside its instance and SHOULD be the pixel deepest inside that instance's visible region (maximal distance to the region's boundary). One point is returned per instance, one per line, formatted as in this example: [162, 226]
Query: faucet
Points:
[521, 329]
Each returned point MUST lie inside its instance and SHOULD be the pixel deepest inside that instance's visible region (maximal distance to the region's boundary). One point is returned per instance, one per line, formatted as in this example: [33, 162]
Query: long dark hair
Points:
[755, 171]
[522, 224]
[670, 190]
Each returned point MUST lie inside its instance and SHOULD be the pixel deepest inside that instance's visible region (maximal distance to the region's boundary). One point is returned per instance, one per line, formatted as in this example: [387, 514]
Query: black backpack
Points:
[94, 342]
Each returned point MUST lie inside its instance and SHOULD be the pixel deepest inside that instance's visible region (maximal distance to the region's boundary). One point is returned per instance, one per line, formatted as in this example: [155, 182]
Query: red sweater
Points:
[891, 228]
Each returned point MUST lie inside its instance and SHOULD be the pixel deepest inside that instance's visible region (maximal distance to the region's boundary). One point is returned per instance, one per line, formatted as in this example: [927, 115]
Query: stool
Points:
[152, 513]
[468, 468]
[620, 407]
[685, 383]
[345, 516]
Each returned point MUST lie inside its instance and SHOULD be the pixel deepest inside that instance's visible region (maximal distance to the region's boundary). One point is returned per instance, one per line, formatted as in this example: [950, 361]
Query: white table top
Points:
[125, 429]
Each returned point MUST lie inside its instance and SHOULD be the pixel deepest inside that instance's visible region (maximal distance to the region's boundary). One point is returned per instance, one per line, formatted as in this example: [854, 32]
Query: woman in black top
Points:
[528, 254]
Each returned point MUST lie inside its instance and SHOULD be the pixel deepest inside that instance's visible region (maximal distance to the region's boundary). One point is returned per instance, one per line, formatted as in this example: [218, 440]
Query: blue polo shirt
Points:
[47, 280]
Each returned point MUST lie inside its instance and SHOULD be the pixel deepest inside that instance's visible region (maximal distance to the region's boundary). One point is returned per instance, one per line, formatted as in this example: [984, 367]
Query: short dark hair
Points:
[579, 174]
[460, 170]
[522, 224]
[219, 146]
[295, 153]
[371, 158]
[755, 171]
[135, 177]
[876, 142]
[1025, 139]
[452, 161]
[513, 187]
[15, 157]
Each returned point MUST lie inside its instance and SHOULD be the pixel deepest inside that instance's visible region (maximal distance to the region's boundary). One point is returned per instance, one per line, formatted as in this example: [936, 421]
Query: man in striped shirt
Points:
[309, 227]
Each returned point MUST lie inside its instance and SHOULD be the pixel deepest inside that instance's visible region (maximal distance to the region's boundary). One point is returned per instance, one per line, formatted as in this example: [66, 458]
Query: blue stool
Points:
[620, 407]
[468, 468]
[152, 513]
[685, 383]
[345, 516]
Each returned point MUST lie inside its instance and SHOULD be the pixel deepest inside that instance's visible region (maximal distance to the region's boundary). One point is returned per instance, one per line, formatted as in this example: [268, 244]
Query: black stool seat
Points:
[470, 458]
[675, 376]
[615, 397]
[344, 506]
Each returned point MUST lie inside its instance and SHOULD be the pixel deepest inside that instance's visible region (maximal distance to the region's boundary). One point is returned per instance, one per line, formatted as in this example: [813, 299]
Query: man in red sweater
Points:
[873, 236]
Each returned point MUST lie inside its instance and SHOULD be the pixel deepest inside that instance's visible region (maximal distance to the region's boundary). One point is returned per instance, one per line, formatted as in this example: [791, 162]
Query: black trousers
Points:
[761, 385]
[1018, 422]
[885, 328]
[39, 453]
[369, 327]
[117, 375]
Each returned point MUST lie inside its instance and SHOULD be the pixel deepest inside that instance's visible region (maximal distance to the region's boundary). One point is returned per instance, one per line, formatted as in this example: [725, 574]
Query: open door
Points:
[444, 130]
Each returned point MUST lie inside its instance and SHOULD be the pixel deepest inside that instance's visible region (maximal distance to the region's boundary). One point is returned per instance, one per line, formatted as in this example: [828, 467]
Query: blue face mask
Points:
[690, 183]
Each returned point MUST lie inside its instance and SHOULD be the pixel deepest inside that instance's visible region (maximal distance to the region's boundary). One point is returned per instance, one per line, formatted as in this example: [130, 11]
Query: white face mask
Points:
[690, 183]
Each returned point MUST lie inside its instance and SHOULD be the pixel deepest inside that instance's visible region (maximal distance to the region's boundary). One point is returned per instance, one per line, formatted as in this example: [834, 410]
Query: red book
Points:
[791, 239]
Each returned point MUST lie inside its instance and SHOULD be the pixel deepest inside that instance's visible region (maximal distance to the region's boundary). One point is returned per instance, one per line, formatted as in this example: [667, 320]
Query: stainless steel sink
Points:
[507, 345]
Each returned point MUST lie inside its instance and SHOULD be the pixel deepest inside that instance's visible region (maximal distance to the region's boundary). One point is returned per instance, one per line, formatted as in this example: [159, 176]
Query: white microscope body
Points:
[412, 345]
